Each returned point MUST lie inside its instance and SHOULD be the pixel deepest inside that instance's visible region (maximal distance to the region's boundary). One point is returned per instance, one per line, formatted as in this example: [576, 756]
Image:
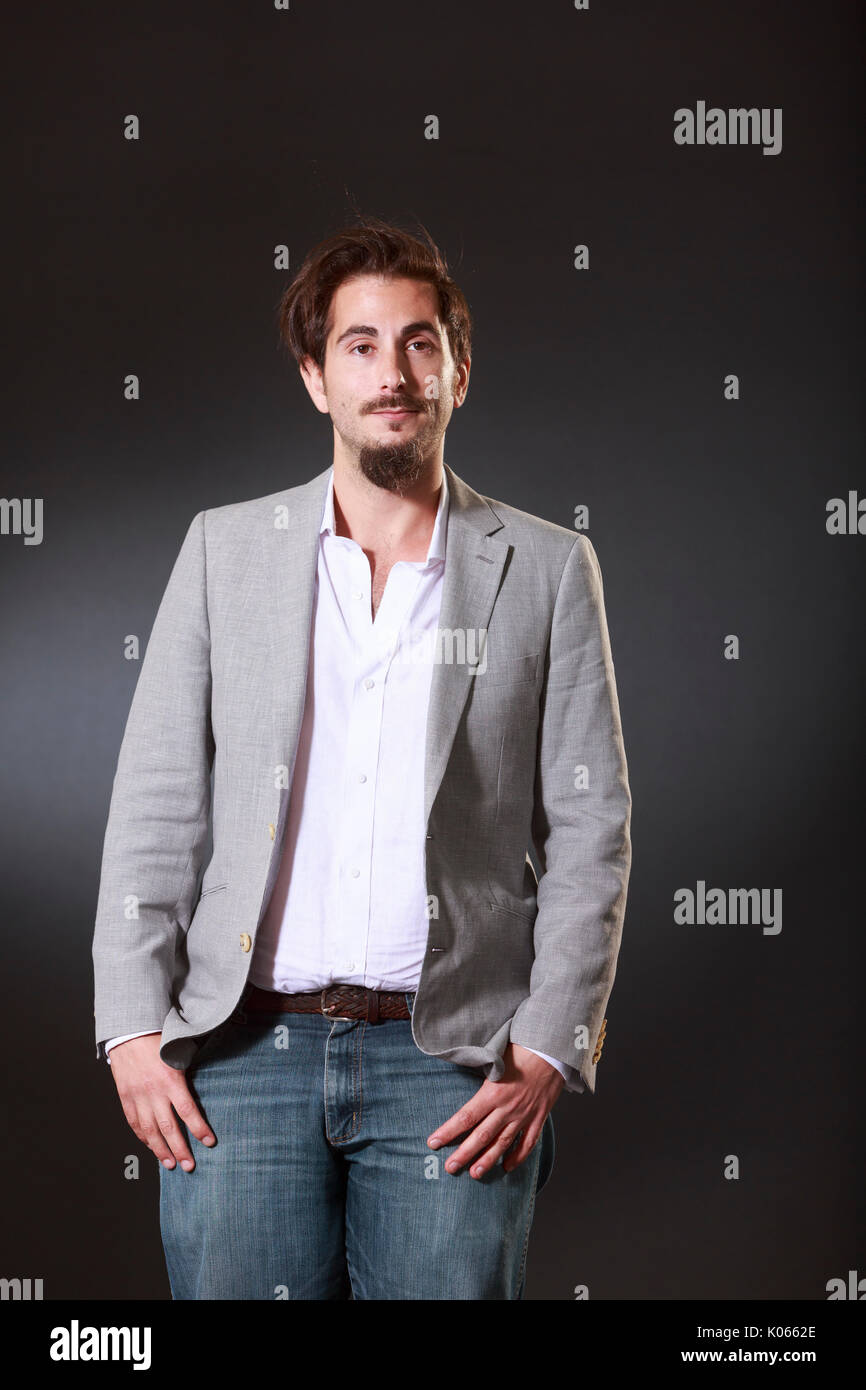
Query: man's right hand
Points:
[150, 1093]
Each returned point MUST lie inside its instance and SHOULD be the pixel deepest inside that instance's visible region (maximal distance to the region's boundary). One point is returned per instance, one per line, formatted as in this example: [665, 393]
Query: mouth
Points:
[395, 414]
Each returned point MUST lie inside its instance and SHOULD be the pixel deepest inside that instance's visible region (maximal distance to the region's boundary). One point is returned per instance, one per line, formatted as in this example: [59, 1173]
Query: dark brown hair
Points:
[372, 247]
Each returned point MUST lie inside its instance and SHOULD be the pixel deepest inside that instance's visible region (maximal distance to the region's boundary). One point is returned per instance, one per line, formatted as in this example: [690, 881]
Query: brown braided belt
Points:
[337, 1001]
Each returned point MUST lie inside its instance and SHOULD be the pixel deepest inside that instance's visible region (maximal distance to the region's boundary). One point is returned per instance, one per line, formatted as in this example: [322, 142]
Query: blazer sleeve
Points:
[158, 815]
[581, 828]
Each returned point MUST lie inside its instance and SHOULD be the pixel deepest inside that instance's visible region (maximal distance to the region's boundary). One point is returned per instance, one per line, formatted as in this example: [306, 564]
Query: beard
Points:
[393, 466]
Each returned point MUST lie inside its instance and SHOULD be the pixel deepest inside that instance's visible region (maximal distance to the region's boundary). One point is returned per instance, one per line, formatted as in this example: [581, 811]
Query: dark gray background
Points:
[603, 388]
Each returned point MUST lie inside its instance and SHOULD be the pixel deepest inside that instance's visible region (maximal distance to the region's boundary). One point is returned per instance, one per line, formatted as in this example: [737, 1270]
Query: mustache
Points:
[404, 404]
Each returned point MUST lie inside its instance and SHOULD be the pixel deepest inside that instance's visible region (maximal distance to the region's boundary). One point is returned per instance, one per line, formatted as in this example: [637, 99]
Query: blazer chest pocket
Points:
[510, 670]
[214, 888]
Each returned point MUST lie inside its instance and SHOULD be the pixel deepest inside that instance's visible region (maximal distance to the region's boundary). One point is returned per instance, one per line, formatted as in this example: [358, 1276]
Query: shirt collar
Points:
[436, 549]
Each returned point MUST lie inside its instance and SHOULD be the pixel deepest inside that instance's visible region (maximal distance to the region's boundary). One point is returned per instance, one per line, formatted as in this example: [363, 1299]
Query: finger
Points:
[465, 1118]
[130, 1112]
[522, 1149]
[181, 1099]
[482, 1137]
[491, 1156]
[149, 1131]
[174, 1137]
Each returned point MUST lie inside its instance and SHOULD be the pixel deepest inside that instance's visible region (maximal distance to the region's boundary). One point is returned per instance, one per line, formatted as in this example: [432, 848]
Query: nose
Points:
[392, 376]
[392, 361]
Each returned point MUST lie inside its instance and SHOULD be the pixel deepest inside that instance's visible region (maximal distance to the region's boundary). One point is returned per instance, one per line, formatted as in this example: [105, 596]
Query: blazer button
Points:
[246, 941]
[272, 832]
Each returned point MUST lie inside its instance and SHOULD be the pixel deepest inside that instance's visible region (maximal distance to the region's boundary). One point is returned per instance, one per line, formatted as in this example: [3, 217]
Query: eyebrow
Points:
[366, 330]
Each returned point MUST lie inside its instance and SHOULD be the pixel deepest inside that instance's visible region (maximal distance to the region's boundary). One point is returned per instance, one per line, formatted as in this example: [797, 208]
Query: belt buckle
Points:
[327, 1008]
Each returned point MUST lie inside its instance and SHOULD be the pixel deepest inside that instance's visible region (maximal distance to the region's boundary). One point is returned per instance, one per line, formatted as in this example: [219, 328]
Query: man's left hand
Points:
[521, 1101]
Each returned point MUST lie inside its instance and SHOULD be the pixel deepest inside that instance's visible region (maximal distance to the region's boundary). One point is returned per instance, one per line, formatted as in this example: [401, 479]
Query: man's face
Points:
[390, 382]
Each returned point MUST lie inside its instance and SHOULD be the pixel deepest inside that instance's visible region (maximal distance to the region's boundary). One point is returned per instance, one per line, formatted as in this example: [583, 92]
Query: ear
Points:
[461, 381]
[314, 381]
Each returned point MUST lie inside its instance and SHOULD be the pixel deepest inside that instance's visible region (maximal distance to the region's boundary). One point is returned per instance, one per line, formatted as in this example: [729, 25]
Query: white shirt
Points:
[349, 904]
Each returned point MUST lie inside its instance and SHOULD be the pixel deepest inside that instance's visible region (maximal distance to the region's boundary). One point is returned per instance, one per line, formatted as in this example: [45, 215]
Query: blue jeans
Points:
[321, 1184]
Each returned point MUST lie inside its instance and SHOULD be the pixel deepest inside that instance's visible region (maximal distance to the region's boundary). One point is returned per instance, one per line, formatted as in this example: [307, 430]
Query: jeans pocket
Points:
[210, 1042]
[547, 1140]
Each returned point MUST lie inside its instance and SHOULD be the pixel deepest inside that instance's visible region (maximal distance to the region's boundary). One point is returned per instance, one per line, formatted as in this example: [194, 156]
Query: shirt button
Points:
[356, 873]
[369, 683]
[272, 831]
[246, 941]
[363, 777]
[350, 966]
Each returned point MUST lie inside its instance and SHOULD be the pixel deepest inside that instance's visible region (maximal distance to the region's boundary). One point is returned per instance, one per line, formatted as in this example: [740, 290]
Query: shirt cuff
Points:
[126, 1037]
[570, 1075]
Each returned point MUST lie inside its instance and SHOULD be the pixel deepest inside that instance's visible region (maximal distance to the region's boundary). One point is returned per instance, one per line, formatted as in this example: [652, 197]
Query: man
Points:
[398, 685]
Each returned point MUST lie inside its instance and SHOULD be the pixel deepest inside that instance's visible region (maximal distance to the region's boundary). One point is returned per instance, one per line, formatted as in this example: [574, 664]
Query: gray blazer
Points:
[212, 734]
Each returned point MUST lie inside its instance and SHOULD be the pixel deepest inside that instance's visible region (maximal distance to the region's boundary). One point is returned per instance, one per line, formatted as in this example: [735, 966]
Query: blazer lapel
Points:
[292, 555]
[474, 561]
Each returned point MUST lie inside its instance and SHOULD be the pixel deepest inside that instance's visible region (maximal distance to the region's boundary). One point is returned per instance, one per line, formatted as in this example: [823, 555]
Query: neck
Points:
[383, 521]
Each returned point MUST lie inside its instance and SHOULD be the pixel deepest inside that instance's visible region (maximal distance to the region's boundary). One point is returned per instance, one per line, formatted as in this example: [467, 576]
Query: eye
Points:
[417, 342]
